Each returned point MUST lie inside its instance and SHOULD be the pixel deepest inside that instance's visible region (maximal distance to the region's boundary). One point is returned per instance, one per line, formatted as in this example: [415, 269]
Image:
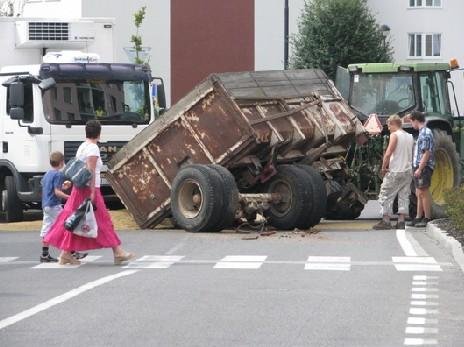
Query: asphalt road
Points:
[338, 287]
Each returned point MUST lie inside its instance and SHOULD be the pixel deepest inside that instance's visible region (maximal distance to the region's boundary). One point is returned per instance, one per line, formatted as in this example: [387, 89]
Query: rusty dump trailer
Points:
[238, 145]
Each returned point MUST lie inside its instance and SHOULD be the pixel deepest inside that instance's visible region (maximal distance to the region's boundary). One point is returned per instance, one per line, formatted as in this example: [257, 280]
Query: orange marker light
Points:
[454, 64]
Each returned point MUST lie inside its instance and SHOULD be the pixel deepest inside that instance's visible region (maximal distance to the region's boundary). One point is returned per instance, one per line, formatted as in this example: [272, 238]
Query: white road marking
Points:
[419, 342]
[422, 320]
[424, 303]
[91, 258]
[424, 289]
[328, 266]
[424, 296]
[419, 283]
[62, 298]
[7, 259]
[328, 263]
[421, 311]
[317, 259]
[418, 267]
[248, 258]
[407, 247]
[424, 277]
[154, 262]
[237, 265]
[241, 262]
[55, 266]
[421, 330]
[414, 260]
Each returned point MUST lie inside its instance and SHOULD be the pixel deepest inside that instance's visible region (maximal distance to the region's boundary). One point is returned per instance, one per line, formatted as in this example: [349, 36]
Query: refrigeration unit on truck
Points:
[44, 108]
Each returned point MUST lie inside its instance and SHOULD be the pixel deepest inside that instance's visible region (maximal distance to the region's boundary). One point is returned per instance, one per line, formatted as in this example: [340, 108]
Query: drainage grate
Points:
[51, 31]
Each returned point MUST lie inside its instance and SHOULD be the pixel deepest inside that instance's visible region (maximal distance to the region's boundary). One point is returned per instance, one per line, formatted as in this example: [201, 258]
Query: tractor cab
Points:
[381, 89]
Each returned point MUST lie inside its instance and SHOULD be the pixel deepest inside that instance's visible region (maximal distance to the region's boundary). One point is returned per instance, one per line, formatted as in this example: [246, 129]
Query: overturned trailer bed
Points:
[240, 144]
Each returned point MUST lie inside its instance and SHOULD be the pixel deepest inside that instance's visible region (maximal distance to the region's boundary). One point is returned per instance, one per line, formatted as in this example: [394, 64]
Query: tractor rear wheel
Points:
[447, 172]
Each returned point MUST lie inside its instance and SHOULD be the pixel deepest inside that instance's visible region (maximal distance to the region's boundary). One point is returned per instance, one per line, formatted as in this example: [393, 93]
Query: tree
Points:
[338, 32]
[137, 38]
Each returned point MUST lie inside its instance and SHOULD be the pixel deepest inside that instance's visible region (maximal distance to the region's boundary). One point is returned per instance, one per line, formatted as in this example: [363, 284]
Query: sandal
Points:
[119, 259]
[68, 260]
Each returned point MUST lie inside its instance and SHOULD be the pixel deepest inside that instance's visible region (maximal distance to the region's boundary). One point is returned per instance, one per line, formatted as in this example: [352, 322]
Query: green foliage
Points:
[455, 207]
[136, 39]
[338, 32]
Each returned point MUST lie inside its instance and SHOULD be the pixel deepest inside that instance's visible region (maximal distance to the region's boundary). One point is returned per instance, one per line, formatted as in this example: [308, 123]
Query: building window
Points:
[424, 3]
[424, 45]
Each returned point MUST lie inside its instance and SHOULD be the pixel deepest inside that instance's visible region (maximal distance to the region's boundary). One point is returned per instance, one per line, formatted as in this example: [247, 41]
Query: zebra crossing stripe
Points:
[328, 263]
[7, 259]
[241, 262]
[154, 262]
[416, 264]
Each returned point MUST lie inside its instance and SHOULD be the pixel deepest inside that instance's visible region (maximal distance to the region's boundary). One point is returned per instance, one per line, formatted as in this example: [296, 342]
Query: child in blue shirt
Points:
[52, 193]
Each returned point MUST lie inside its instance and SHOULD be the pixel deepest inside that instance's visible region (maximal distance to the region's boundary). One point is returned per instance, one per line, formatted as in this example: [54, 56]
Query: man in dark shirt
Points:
[423, 165]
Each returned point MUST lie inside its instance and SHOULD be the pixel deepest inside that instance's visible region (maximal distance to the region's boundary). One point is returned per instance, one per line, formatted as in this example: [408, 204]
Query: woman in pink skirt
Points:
[61, 238]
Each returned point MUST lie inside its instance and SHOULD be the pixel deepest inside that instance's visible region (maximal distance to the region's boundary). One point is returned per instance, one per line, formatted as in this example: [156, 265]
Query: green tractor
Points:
[377, 90]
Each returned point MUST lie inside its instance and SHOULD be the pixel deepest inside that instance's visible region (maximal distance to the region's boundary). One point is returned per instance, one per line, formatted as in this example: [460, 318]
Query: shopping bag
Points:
[87, 225]
[76, 170]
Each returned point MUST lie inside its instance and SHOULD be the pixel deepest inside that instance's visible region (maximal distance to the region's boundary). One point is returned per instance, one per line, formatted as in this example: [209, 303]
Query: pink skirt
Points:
[61, 238]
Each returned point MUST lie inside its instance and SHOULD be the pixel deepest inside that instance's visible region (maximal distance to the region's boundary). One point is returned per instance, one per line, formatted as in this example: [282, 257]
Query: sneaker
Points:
[77, 255]
[400, 225]
[423, 223]
[382, 225]
[47, 259]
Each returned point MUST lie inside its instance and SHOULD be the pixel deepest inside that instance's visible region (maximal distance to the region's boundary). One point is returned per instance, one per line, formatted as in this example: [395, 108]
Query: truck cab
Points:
[44, 108]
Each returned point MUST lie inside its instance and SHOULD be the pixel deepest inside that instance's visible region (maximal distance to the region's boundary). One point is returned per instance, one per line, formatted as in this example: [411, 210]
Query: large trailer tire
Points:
[447, 172]
[230, 194]
[197, 198]
[319, 196]
[294, 185]
[11, 204]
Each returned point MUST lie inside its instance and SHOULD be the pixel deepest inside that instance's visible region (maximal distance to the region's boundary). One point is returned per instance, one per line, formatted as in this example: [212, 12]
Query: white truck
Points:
[44, 105]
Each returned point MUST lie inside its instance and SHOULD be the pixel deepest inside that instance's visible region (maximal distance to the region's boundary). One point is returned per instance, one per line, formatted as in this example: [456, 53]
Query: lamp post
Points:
[286, 11]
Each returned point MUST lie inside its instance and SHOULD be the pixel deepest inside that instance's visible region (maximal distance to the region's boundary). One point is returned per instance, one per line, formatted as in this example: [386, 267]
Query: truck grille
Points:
[107, 149]
[51, 31]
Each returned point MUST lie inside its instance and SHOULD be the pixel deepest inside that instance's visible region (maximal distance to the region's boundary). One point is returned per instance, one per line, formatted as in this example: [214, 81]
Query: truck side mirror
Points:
[15, 95]
[47, 84]
[161, 96]
[16, 100]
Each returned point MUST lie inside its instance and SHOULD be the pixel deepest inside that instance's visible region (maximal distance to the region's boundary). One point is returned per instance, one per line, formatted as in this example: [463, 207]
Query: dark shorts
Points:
[425, 178]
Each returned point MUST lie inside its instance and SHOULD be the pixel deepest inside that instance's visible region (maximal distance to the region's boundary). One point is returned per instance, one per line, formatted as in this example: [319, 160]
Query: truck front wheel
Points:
[11, 204]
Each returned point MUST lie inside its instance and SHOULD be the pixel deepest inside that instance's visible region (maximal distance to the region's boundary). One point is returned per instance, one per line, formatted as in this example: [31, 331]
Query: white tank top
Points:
[401, 159]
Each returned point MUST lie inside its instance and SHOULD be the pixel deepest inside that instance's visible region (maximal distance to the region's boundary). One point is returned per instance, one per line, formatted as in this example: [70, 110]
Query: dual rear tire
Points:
[204, 198]
[303, 197]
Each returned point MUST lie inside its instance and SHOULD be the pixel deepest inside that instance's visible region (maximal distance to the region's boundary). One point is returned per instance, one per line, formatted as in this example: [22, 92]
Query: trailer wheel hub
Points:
[190, 199]
[284, 190]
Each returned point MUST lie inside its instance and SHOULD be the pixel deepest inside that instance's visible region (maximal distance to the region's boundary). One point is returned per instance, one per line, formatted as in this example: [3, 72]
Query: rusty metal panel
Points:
[170, 152]
[141, 186]
[224, 119]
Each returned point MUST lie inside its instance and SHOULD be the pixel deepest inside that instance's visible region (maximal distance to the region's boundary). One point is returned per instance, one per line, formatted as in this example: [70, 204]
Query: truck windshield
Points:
[111, 102]
[383, 93]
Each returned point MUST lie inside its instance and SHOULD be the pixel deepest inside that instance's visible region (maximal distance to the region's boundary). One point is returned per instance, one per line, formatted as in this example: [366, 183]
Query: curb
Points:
[450, 243]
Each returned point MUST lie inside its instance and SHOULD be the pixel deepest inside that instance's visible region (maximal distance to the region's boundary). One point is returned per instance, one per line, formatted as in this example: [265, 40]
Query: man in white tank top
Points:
[397, 174]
